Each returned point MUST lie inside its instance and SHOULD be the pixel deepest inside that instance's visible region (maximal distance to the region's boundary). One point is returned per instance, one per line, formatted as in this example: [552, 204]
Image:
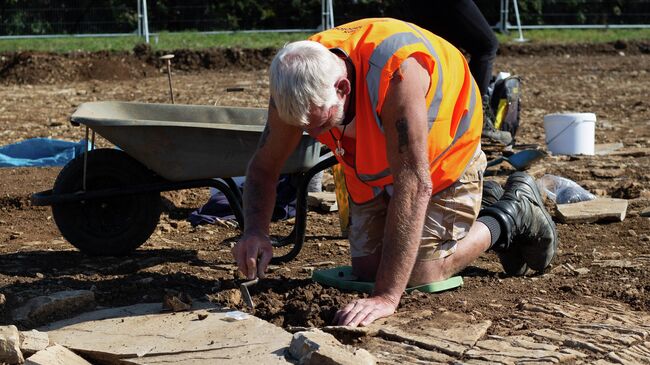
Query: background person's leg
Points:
[462, 24]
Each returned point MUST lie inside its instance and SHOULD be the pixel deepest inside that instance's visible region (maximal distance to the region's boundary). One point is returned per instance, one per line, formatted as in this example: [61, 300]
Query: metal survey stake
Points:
[246, 295]
[168, 58]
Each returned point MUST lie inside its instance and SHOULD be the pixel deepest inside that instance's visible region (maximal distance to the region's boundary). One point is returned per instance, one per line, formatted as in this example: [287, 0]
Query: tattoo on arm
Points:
[402, 135]
[265, 136]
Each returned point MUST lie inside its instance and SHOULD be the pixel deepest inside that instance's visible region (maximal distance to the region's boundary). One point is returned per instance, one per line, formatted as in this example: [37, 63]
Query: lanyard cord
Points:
[339, 149]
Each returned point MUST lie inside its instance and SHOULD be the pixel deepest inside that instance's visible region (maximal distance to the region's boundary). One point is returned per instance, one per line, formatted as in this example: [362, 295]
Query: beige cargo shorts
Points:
[450, 215]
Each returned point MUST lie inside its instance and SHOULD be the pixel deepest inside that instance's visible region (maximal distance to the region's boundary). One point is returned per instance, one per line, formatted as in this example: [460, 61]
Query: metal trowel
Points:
[245, 294]
[520, 160]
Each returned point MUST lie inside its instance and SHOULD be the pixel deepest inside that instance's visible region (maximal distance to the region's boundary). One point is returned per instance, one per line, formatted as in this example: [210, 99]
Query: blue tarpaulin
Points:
[40, 152]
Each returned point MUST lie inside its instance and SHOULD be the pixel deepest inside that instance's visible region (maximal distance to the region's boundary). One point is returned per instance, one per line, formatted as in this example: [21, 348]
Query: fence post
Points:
[327, 14]
[521, 34]
[503, 17]
[139, 31]
[145, 21]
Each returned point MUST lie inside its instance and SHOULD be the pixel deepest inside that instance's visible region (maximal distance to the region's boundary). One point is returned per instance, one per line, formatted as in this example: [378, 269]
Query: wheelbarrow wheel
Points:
[112, 226]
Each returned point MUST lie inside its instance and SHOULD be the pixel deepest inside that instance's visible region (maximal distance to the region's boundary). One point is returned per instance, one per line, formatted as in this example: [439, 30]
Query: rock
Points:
[645, 212]
[58, 305]
[176, 301]
[519, 349]
[3, 300]
[435, 333]
[607, 173]
[141, 334]
[228, 298]
[317, 347]
[607, 148]
[617, 263]
[33, 341]
[599, 209]
[325, 201]
[56, 355]
[10, 345]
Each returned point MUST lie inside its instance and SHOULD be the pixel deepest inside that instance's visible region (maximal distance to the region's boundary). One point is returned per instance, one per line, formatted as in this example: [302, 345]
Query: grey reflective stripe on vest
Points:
[373, 177]
[463, 126]
[380, 56]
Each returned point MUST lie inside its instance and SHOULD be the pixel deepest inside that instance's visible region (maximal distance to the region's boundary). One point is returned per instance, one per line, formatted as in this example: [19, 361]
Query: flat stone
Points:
[518, 349]
[315, 347]
[323, 200]
[40, 310]
[140, 334]
[607, 148]
[56, 355]
[608, 173]
[597, 210]
[631, 152]
[400, 353]
[446, 332]
[33, 341]
[616, 263]
[609, 328]
[9, 345]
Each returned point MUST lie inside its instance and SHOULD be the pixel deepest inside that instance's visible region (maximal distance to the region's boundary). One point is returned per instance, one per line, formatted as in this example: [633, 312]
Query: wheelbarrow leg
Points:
[234, 199]
[297, 235]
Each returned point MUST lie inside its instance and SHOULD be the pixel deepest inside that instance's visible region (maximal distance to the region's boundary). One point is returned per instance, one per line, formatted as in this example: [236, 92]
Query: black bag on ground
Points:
[505, 101]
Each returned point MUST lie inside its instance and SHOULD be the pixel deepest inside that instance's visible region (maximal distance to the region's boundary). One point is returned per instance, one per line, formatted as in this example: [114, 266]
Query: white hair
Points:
[302, 76]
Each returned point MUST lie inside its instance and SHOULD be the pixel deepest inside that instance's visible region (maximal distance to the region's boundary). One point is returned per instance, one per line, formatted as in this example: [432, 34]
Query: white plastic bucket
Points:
[570, 133]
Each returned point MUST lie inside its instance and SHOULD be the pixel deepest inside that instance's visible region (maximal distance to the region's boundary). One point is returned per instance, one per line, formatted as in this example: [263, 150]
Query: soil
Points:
[39, 92]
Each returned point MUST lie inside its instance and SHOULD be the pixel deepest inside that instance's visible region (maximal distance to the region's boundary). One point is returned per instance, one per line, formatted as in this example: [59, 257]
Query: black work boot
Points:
[492, 192]
[512, 259]
[489, 130]
[527, 228]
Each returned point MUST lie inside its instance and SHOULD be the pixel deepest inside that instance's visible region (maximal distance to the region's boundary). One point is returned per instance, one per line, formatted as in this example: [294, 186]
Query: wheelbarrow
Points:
[106, 202]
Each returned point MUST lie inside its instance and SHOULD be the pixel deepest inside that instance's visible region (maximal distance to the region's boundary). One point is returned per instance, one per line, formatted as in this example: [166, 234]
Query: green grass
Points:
[576, 35]
[160, 41]
[191, 40]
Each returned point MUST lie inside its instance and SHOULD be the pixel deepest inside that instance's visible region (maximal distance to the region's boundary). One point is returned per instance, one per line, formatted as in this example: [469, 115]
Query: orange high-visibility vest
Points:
[376, 48]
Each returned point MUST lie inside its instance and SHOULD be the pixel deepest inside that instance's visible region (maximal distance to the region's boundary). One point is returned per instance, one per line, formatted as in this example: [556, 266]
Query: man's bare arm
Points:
[276, 144]
[405, 125]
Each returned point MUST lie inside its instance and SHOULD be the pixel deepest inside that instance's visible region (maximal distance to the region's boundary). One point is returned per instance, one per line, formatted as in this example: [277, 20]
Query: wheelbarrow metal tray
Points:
[188, 142]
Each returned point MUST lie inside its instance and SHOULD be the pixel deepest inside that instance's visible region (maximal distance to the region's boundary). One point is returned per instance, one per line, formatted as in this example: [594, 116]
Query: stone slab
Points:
[33, 341]
[315, 347]
[140, 334]
[400, 353]
[597, 210]
[445, 332]
[607, 148]
[519, 350]
[56, 355]
[55, 306]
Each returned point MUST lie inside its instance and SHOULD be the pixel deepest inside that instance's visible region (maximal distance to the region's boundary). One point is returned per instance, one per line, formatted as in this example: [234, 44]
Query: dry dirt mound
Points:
[49, 68]
[628, 47]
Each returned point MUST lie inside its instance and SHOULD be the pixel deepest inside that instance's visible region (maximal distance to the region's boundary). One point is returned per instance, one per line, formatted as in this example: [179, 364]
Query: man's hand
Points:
[253, 254]
[363, 312]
